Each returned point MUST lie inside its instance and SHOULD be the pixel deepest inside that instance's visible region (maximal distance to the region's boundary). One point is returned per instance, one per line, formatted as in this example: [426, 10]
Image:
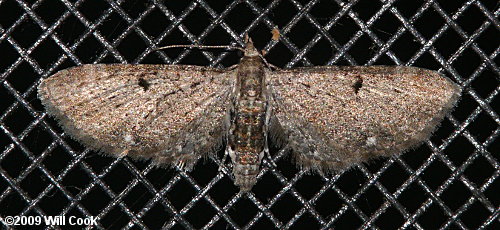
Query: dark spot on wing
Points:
[358, 84]
[306, 85]
[195, 84]
[144, 84]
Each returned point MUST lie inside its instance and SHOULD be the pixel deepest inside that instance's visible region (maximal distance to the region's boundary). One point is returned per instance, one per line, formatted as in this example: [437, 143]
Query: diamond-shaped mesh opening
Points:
[451, 181]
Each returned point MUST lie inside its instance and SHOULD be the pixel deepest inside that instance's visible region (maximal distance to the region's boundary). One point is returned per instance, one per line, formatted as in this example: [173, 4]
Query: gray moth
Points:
[329, 118]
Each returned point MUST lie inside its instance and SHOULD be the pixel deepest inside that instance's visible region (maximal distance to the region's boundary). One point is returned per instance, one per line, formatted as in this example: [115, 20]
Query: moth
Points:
[329, 118]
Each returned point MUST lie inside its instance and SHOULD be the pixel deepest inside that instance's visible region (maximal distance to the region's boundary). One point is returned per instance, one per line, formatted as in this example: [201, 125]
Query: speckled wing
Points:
[173, 114]
[336, 117]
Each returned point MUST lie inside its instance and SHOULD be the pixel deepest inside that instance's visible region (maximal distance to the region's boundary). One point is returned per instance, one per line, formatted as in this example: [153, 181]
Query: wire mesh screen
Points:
[450, 181]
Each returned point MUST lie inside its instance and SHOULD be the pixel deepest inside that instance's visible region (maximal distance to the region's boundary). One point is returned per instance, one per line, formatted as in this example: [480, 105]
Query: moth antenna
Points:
[219, 47]
[202, 47]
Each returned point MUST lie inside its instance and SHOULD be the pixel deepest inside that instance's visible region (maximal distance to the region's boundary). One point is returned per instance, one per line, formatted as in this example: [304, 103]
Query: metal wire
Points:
[451, 181]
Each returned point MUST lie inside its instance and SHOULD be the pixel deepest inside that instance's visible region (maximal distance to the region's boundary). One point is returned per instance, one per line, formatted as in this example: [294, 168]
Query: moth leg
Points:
[227, 124]
[273, 67]
[270, 159]
[267, 124]
[181, 164]
[224, 159]
[232, 67]
[123, 153]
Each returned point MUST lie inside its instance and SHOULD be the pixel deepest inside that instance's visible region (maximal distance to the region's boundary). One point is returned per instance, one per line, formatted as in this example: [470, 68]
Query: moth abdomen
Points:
[247, 139]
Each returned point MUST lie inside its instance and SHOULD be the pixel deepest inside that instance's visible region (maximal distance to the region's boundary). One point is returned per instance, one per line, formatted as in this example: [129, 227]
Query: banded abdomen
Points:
[247, 138]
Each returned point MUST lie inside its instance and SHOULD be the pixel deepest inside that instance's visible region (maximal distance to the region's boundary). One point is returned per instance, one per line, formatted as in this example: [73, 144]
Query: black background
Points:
[450, 181]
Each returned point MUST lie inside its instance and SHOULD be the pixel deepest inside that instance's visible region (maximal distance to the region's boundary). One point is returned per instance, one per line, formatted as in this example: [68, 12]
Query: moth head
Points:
[250, 50]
